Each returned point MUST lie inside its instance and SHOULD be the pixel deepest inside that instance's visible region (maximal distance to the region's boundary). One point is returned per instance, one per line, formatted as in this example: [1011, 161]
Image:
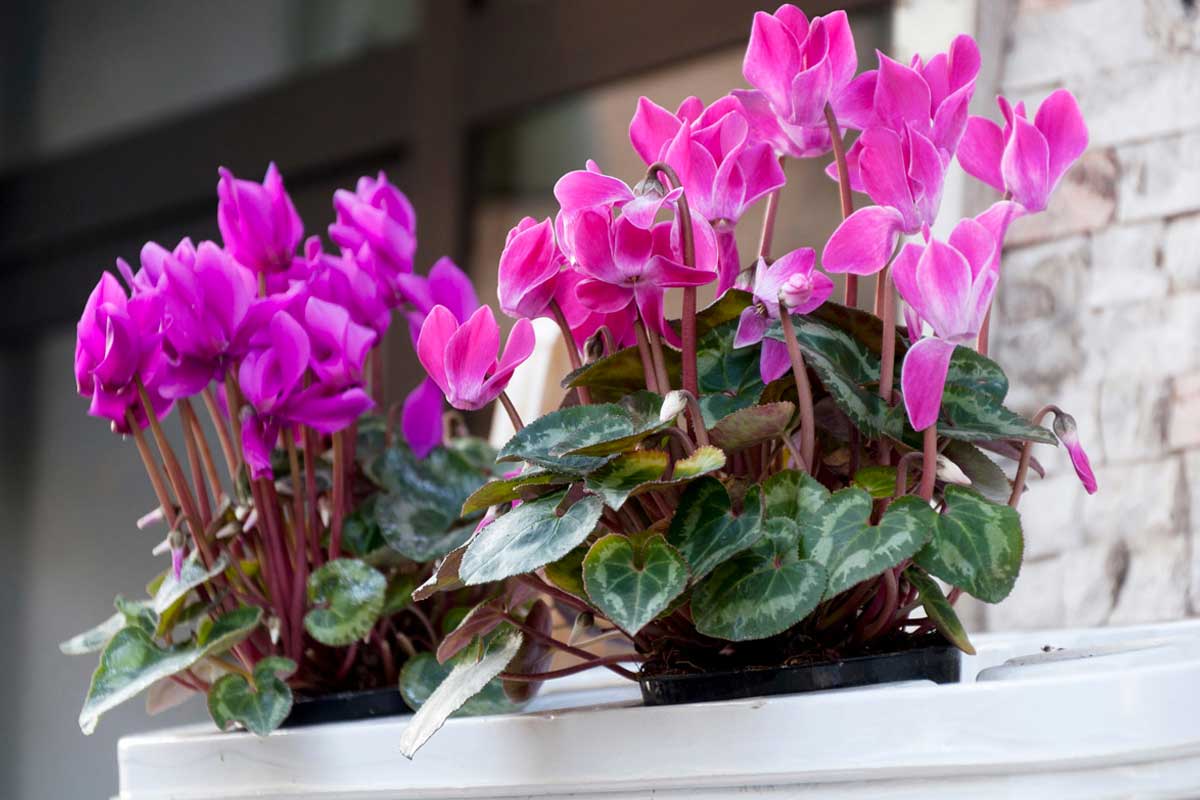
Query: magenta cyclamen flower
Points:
[461, 358]
[381, 216]
[802, 289]
[1026, 159]
[446, 285]
[258, 222]
[348, 280]
[529, 269]
[723, 170]
[119, 342]
[584, 321]
[796, 67]
[1064, 428]
[949, 287]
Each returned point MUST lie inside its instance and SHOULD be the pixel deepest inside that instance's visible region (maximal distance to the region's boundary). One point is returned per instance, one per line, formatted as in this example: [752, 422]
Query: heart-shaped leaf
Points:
[706, 531]
[752, 425]
[530, 536]
[840, 537]
[877, 480]
[132, 661]
[645, 413]
[619, 478]
[467, 677]
[938, 609]
[986, 477]
[347, 596]
[260, 708]
[728, 377]
[976, 417]
[763, 591]
[793, 495]
[506, 490]
[632, 579]
[977, 546]
[191, 575]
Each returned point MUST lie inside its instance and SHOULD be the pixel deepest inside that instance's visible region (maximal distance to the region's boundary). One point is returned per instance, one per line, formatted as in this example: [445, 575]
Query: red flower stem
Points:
[768, 228]
[233, 400]
[660, 361]
[193, 457]
[902, 472]
[611, 662]
[339, 495]
[887, 356]
[803, 391]
[585, 396]
[643, 344]
[929, 462]
[511, 410]
[347, 662]
[231, 461]
[301, 555]
[268, 508]
[152, 470]
[535, 582]
[1026, 456]
[697, 419]
[839, 156]
[210, 466]
[550, 641]
[377, 375]
[311, 445]
[891, 588]
[985, 329]
[385, 655]
[688, 242]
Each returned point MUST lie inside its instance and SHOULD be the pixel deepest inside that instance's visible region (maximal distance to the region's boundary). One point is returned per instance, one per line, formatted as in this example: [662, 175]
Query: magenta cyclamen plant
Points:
[294, 569]
[775, 478]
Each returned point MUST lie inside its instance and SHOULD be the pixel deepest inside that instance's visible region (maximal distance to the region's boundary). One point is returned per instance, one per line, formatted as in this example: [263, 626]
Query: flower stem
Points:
[768, 228]
[803, 391]
[928, 462]
[152, 470]
[560, 317]
[984, 331]
[231, 461]
[310, 493]
[550, 641]
[377, 375]
[687, 240]
[601, 661]
[339, 495]
[660, 361]
[643, 344]
[839, 156]
[210, 466]
[511, 410]
[1026, 456]
[233, 400]
[193, 457]
[887, 356]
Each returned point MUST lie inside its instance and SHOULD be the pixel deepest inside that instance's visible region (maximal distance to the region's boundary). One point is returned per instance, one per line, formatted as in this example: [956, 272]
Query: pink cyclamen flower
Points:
[446, 285]
[119, 342]
[378, 214]
[258, 221]
[903, 173]
[462, 358]
[584, 322]
[1064, 428]
[1026, 159]
[339, 345]
[802, 288]
[797, 67]
[949, 286]
[722, 169]
[529, 269]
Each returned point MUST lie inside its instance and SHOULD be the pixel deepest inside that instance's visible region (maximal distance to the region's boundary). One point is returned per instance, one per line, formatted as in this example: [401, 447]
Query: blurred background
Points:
[115, 116]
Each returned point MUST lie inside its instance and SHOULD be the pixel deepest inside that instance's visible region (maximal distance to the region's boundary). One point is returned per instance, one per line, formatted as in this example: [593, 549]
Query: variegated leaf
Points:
[753, 425]
[619, 478]
[793, 495]
[505, 490]
[977, 546]
[705, 529]
[632, 579]
[347, 596]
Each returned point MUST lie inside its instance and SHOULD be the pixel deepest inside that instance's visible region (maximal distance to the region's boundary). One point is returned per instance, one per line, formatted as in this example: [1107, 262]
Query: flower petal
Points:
[1060, 121]
[436, 331]
[772, 58]
[901, 95]
[864, 241]
[1025, 165]
[651, 128]
[471, 355]
[980, 150]
[586, 189]
[944, 281]
[774, 361]
[923, 380]
[752, 326]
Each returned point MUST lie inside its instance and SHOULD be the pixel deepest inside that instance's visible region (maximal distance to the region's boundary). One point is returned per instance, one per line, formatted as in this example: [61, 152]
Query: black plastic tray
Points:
[345, 707]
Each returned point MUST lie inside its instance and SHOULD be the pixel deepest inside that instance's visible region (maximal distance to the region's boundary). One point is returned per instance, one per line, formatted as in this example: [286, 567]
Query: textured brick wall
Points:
[1099, 312]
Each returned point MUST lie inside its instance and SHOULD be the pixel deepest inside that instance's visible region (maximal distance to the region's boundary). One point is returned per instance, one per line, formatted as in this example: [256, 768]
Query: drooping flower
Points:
[378, 214]
[1068, 434]
[421, 418]
[1026, 159]
[118, 344]
[723, 170]
[949, 287]
[258, 221]
[339, 344]
[803, 289]
[529, 269]
[446, 285]
[796, 67]
[349, 280]
[584, 322]
[462, 358]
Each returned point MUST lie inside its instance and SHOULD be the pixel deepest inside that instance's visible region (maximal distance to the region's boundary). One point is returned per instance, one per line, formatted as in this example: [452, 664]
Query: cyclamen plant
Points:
[293, 571]
[748, 486]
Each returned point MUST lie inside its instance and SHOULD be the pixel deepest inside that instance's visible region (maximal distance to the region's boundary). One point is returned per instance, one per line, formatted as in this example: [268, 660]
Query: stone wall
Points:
[1099, 312]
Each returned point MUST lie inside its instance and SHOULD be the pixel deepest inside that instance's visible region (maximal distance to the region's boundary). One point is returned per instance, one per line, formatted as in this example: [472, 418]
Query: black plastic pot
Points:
[346, 707]
[938, 664]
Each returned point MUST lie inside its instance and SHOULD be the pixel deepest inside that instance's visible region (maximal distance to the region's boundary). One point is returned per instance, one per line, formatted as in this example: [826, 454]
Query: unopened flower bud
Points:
[796, 290]
[175, 539]
[1065, 430]
[650, 185]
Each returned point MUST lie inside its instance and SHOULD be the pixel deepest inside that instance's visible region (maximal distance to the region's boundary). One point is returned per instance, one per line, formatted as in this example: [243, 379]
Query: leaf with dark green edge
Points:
[762, 592]
[192, 574]
[939, 610]
[479, 621]
[444, 474]
[632, 579]
[620, 374]
[619, 478]
[347, 597]
[475, 451]
[973, 416]
[977, 373]
[567, 572]
[360, 530]
[753, 425]
[840, 537]
[878, 481]
[728, 378]
[647, 414]
[132, 661]
[466, 679]
[260, 708]
[534, 656]
[421, 527]
[863, 326]
[530, 536]
[792, 494]
[94, 640]
[398, 595]
[445, 575]
[728, 306]
[986, 476]
[506, 490]
[706, 531]
[977, 546]
[371, 438]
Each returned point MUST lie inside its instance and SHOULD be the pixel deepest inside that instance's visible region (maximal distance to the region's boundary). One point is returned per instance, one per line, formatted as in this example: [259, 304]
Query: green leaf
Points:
[793, 495]
[762, 592]
[878, 481]
[480, 455]
[977, 546]
[939, 610]
[840, 537]
[534, 656]
[260, 708]
[94, 640]
[619, 478]
[567, 572]
[530, 536]
[191, 575]
[706, 531]
[728, 377]
[702, 461]
[132, 661]
[975, 417]
[360, 531]
[620, 374]
[752, 425]
[643, 413]
[347, 596]
[466, 679]
[978, 373]
[399, 595]
[632, 579]
[506, 490]
[986, 477]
